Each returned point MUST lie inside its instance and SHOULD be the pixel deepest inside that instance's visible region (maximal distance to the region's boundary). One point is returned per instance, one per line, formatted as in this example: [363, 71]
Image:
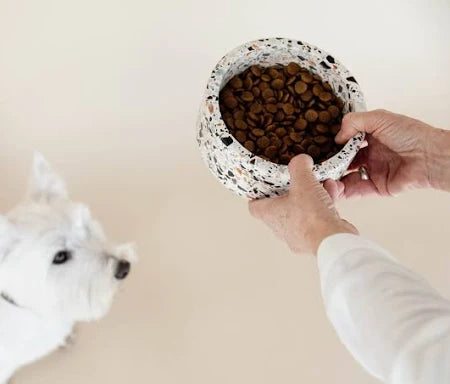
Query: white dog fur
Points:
[56, 269]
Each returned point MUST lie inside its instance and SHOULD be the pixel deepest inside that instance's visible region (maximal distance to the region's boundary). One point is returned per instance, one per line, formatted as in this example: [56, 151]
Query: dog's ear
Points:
[45, 184]
[82, 219]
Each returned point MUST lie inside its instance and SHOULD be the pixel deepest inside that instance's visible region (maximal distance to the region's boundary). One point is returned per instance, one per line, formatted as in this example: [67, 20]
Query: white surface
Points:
[388, 317]
[109, 92]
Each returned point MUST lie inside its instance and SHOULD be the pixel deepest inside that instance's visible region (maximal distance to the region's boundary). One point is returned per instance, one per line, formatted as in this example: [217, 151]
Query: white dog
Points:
[55, 269]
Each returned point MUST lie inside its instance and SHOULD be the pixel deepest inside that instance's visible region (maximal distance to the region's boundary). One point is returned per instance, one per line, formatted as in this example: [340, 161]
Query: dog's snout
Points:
[122, 270]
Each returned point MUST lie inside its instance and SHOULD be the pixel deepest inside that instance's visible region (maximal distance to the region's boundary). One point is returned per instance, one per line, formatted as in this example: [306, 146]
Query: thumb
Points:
[300, 170]
[355, 122]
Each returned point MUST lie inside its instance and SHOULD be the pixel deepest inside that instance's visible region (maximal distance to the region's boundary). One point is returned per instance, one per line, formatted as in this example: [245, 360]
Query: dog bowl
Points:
[234, 166]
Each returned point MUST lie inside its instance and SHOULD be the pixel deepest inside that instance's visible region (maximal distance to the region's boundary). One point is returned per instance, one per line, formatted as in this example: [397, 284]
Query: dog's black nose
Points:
[122, 270]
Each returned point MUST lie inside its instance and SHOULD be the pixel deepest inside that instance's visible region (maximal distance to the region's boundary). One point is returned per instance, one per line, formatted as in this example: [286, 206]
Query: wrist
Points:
[319, 230]
[438, 159]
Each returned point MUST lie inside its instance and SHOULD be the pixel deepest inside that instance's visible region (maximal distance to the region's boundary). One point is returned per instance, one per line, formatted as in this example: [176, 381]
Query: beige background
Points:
[108, 90]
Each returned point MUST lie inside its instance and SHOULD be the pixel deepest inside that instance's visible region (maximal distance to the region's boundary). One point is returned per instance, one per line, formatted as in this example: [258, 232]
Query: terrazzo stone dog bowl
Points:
[234, 166]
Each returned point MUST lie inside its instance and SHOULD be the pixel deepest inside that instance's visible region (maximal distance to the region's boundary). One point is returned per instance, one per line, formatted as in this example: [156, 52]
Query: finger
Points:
[300, 170]
[355, 122]
[335, 189]
[355, 187]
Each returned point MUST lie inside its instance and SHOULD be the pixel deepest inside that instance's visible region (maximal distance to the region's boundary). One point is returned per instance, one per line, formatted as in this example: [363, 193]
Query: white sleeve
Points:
[390, 319]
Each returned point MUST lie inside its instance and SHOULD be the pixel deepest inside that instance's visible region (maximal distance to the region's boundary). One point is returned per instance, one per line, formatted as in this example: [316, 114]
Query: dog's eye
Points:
[61, 257]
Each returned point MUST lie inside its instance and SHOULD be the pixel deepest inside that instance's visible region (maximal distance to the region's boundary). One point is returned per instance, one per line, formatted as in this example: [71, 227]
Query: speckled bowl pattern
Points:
[234, 166]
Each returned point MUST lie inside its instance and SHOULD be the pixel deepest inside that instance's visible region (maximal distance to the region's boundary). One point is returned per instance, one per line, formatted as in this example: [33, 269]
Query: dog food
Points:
[278, 112]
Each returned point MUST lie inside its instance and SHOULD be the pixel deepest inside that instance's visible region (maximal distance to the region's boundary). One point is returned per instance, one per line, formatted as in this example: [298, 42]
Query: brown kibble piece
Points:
[322, 128]
[311, 115]
[256, 108]
[293, 68]
[317, 90]
[266, 78]
[240, 136]
[274, 73]
[296, 137]
[270, 151]
[277, 84]
[300, 124]
[258, 132]
[288, 109]
[231, 102]
[321, 139]
[239, 115]
[297, 148]
[256, 91]
[324, 116]
[236, 82]
[267, 93]
[247, 96]
[255, 70]
[249, 145]
[263, 142]
[281, 132]
[313, 151]
[307, 96]
[271, 108]
[300, 87]
[325, 96]
[334, 111]
[240, 124]
[248, 83]
[306, 77]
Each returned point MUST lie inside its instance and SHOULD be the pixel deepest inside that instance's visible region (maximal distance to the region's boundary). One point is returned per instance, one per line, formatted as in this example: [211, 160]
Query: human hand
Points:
[402, 153]
[305, 215]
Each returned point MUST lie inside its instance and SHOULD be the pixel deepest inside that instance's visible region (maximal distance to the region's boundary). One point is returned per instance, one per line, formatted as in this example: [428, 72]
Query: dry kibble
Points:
[271, 151]
[321, 140]
[296, 137]
[311, 115]
[263, 142]
[277, 84]
[306, 77]
[255, 70]
[325, 96]
[278, 112]
[271, 108]
[334, 111]
[240, 136]
[301, 124]
[288, 109]
[258, 132]
[324, 117]
[248, 83]
[236, 82]
[240, 124]
[267, 93]
[249, 145]
[247, 96]
[293, 68]
[281, 132]
[256, 91]
[306, 96]
[300, 87]
[256, 108]
[322, 128]
[313, 150]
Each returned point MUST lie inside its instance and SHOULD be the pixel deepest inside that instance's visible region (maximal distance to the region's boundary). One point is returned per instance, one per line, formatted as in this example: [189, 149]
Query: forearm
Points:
[438, 159]
[389, 318]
